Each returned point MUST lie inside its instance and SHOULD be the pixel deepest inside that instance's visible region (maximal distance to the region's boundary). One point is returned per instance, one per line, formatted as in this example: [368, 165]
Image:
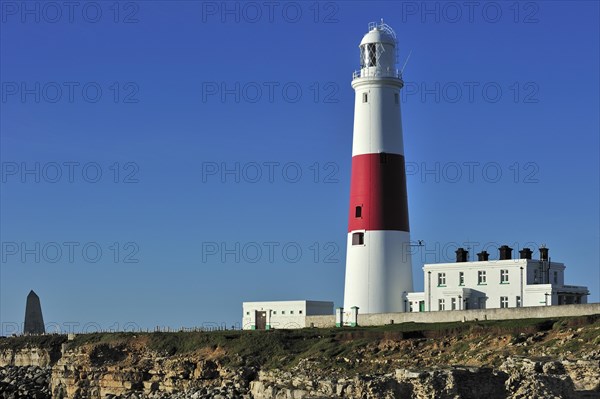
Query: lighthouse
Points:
[378, 263]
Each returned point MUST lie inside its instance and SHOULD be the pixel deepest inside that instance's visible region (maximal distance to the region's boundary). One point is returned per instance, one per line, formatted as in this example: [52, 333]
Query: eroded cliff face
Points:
[40, 357]
[562, 361]
[103, 370]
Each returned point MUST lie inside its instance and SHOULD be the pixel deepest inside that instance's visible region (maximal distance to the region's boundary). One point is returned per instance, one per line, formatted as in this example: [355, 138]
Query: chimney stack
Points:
[483, 256]
[462, 255]
[505, 252]
[543, 253]
[525, 253]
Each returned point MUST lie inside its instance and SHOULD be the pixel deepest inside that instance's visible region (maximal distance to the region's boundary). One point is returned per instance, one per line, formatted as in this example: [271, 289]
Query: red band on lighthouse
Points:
[378, 199]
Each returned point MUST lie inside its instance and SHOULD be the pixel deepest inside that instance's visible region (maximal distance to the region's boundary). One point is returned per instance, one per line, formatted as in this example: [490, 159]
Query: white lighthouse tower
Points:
[378, 263]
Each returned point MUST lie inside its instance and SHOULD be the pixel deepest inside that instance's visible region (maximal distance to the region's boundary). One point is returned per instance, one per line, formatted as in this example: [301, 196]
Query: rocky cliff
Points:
[529, 359]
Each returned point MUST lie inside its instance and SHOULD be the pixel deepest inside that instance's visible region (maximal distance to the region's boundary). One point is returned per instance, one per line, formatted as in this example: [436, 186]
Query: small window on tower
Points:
[358, 212]
[382, 157]
[396, 98]
[358, 239]
[365, 97]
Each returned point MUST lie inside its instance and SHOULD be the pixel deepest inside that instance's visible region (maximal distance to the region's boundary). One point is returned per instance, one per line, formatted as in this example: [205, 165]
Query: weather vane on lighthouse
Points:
[378, 262]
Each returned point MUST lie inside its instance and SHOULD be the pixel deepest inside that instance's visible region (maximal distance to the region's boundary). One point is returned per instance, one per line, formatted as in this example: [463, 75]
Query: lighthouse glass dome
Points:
[378, 52]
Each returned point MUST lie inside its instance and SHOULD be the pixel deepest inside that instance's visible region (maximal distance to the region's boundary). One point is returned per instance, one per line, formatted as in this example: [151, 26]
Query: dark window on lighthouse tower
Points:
[372, 50]
[365, 97]
[358, 212]
[368, 55]
[358, 239]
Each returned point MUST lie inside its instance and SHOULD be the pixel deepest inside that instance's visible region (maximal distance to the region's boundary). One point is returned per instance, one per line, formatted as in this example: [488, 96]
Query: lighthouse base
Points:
[378, 271]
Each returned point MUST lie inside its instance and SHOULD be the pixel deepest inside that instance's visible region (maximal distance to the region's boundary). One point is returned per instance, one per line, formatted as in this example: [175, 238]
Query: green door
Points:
[421, 306]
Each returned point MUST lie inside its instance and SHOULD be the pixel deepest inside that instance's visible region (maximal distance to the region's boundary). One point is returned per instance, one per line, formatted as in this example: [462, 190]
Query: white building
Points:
[502, 283]
[282, 314]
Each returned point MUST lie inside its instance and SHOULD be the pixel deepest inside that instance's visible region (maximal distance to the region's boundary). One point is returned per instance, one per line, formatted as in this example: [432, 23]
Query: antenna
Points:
[405, 62]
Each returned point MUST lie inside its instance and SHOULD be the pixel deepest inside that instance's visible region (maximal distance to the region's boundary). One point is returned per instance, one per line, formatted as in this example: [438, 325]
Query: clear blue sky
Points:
[501, 131]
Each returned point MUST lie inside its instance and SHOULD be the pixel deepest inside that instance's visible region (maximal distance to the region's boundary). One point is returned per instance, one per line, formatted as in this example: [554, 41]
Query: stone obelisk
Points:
[34, 321]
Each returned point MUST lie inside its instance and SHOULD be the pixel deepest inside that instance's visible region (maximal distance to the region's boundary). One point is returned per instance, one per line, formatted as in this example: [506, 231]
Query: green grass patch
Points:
[285, 348]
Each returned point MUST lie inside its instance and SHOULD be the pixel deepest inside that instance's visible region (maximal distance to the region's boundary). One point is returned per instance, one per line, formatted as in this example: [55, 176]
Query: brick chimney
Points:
[543, 253]
[525, 253]
[462, 255]
[505, 252]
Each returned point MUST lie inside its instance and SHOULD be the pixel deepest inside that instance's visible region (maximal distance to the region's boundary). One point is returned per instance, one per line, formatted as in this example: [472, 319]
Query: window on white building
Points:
[358, 238]
[365, 98]
[518, 302]
[274, 312]
[503, 301]
[396, 98]
[555, 277]
[461, 278]
[442, 304]
[441, 279]
[291, 312]
[453, 303]
[247, 313]
[504, 276]
[300, 311]
[481, 277]
[283, 312]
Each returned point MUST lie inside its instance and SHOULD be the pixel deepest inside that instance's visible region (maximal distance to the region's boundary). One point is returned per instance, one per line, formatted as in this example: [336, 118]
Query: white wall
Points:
[378, 272]
[489, 291]
[284, 314]
[466, 315]
[521, 283]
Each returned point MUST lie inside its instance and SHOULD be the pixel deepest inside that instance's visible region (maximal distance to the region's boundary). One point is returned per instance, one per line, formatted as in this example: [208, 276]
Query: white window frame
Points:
[504, 276]
[441, 279]
[441, 304]
[503, 302]
[481, 277]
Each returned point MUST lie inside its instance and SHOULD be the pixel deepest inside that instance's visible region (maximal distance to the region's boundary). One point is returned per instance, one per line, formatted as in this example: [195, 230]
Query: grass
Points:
[286, 348]
[33, 341]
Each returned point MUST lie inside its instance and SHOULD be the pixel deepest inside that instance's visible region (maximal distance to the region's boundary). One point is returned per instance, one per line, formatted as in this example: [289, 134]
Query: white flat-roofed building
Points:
[502, 283]
[282, 314]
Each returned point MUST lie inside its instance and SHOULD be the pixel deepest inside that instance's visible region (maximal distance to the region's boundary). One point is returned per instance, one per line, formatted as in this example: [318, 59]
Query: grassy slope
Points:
[360, 349]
